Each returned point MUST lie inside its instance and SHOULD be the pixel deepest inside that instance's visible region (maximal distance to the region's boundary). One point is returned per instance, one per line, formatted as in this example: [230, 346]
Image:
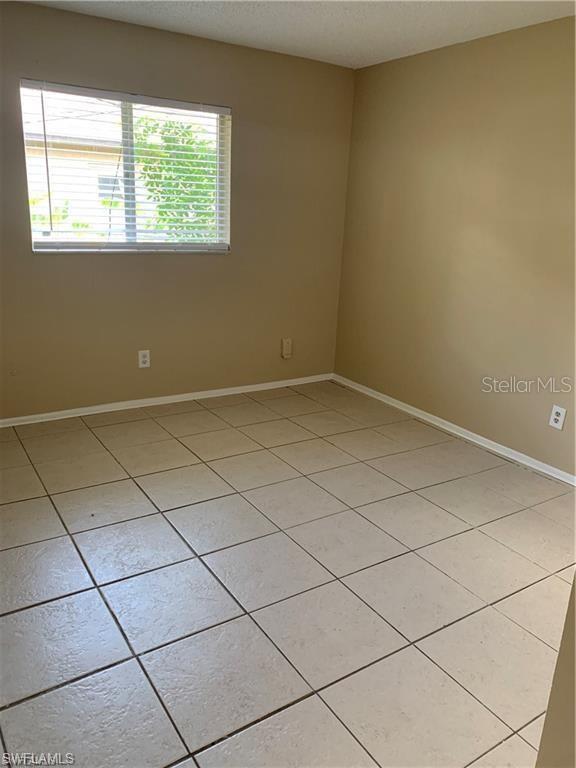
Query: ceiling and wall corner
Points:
[350, 33]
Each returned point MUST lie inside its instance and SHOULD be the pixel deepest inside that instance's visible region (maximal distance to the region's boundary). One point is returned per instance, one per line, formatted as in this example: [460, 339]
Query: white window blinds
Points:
[110, 171]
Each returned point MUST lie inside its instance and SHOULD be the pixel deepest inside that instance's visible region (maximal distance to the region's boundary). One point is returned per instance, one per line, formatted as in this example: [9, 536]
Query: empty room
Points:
[287, 446]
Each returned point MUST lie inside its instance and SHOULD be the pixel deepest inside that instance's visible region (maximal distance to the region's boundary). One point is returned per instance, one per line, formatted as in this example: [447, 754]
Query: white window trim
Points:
[143, 246]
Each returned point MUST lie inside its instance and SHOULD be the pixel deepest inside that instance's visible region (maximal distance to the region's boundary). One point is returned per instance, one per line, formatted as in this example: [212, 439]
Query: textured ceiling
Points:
[353, 34]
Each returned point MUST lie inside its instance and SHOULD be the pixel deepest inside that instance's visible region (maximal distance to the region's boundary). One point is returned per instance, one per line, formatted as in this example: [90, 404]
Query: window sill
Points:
[151, 248]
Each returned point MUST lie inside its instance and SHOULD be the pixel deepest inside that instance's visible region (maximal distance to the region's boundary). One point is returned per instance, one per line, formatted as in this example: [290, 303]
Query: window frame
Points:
[224, 182]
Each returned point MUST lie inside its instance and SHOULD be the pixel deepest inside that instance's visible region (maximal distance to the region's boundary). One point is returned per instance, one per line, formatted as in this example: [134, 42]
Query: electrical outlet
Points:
[286, 348]
[144, 358]
[557, 417]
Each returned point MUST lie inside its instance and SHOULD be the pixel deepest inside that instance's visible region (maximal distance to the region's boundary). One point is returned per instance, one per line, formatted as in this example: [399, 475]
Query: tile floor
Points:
[288, 578]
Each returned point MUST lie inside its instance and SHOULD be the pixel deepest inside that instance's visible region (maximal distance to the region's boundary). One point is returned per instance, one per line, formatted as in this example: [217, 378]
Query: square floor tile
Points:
[178, 487]
[320, 389]
[62, 445]
[56, 642]
[363, 444]
[313, 456]
[368, 412]
[341, 397]
[357, 484]
[561, 510]
[8, 434]
[253, 470]
[536, 537]
[169, 409]
[13, 455]
[541, 609]
[19, 483]
[412, 520]
[328, 633]
[125, 549]
[49, 427]
[154, 457]
[69, 474]
[407, 712]
[110, 719]
[223, 400]
[305, 734]
[246, 413]
[469, 499]
[24, 522]
[327, 423]
[39, 572]
[115, 417]
[265, 570]
[220, 523]
[132, 433]
[412, 595]
[482, 565]
[222, 679]
[294, 501]
[182, 424]
[522, 485]
[345, 542]
[435, 464]
[296, 405]
[504, 666]
[262, 395]
[411, 434]
[219, 444]
[533, 733]
[273, 433]
[102, 504]
[164, 605]
[512, 753]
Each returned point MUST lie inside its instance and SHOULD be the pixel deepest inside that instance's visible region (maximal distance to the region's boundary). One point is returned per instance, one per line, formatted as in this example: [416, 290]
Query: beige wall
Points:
[459, 245]
[72, 323]
[458, 253]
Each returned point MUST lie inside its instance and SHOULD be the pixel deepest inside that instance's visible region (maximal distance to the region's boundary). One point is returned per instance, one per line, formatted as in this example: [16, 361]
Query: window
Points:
[109, 171]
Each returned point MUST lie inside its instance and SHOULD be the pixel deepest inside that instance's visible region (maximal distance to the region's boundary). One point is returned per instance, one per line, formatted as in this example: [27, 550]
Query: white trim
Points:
[120, 406]
[140, 246]
[448, 426]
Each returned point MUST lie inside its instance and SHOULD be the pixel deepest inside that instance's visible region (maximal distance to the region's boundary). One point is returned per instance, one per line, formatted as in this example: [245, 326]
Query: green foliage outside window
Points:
[179, 169]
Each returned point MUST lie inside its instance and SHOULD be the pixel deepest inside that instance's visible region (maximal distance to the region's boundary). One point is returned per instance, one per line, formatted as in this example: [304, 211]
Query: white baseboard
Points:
[120, 406]
[447, 426]
[454, 429]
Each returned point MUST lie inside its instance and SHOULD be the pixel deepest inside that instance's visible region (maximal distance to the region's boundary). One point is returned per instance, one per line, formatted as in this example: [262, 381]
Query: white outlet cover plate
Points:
[557, 417]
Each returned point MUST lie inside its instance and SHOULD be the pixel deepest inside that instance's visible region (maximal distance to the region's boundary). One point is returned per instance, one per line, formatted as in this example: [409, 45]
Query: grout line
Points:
[511, 735]
[461, 685]
[46, 601]
[182, 761]
[188, 635]
[71, 681]
[251, 724]
[350, 731]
